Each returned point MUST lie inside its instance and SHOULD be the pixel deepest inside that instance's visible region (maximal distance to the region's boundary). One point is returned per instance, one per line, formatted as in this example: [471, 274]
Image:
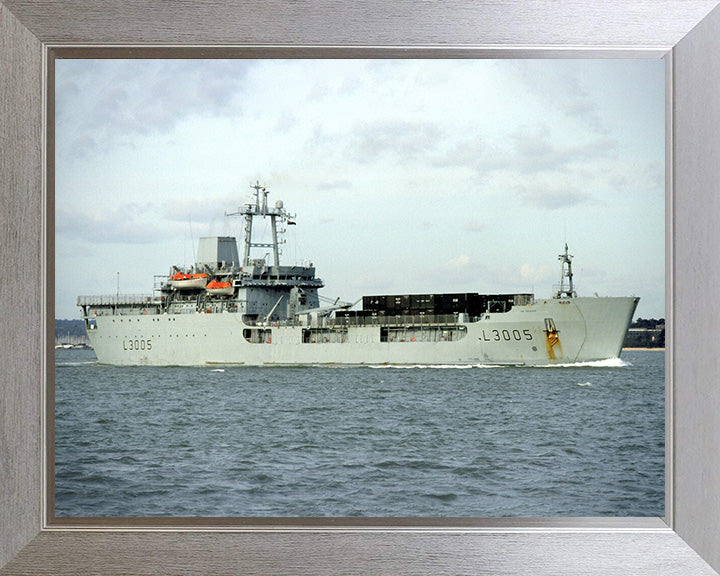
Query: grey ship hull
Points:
[580, 330]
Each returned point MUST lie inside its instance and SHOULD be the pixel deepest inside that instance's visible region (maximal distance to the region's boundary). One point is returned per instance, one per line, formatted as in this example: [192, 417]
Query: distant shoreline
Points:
[660, 349]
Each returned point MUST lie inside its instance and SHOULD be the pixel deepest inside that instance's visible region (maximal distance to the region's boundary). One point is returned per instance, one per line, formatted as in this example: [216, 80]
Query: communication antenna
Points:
[566, 272]
[259, 208]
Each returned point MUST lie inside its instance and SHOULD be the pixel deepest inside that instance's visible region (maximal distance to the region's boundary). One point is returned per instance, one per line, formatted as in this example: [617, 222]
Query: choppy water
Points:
[360, 441]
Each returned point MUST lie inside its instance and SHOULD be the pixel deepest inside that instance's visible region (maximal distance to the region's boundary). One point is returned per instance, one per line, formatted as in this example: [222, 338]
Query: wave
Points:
[62, 364]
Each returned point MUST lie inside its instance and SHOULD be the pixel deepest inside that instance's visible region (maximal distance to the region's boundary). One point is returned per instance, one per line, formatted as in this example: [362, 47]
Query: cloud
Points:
[561, 88]
[527, 150]
[339, 185]
[534, 150]
[553, 196]
[198, 209]
[105, 103]
[461, 272]
[126, 224]
[542, 274]
[475, 226]
[459, 262]
[287, 120]
[472, 152]
[652, 175]
[401, 139]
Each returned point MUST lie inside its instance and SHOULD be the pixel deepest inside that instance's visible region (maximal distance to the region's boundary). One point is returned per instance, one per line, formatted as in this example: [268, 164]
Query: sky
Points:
[407, 176]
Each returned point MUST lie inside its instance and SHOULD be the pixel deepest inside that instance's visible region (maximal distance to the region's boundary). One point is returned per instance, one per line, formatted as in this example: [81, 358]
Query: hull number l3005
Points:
[507, 335]
[137, 344]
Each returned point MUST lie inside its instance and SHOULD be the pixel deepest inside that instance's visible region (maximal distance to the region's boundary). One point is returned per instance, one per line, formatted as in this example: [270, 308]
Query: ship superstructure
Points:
[227, 310]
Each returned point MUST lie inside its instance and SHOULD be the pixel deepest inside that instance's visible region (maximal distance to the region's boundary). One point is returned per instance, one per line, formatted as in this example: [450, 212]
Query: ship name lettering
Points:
[137, 344]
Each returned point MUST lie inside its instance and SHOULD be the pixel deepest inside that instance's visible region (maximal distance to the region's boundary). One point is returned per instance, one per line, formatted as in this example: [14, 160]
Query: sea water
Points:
[482, 441]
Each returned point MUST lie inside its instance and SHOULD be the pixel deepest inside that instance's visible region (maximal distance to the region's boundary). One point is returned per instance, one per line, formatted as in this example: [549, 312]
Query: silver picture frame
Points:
[684, 32]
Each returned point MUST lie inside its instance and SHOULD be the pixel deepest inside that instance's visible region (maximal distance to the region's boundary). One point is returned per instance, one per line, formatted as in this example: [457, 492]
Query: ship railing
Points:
[399, 321]
[118, 300]
[523, 299]
[563, 288]
[159, 282]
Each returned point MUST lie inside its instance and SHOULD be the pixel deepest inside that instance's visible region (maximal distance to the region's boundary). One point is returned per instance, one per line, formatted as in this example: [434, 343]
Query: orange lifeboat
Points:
[182, 281]
[219, 288]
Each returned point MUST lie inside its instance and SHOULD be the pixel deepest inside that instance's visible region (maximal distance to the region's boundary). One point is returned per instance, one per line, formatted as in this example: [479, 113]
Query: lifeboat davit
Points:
[182, 281]
[219, 288]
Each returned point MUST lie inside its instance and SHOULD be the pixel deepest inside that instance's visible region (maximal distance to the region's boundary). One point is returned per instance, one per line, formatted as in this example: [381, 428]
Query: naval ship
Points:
[224, 310]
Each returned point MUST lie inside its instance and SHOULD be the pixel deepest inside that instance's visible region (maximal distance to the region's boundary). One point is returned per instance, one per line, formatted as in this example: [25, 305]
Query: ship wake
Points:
[435, 366]
[609, 363]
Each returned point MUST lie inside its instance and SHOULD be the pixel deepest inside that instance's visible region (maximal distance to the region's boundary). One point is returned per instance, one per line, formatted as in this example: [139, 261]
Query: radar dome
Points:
[279, 204]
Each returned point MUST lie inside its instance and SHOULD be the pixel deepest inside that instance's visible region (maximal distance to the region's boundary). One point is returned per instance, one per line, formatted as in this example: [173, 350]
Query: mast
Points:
[259, 207]
[566, 272]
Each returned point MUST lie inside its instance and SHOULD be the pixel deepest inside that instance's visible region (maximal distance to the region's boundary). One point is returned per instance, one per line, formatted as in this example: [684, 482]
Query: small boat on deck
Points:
[182, 281]
[216, 288]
